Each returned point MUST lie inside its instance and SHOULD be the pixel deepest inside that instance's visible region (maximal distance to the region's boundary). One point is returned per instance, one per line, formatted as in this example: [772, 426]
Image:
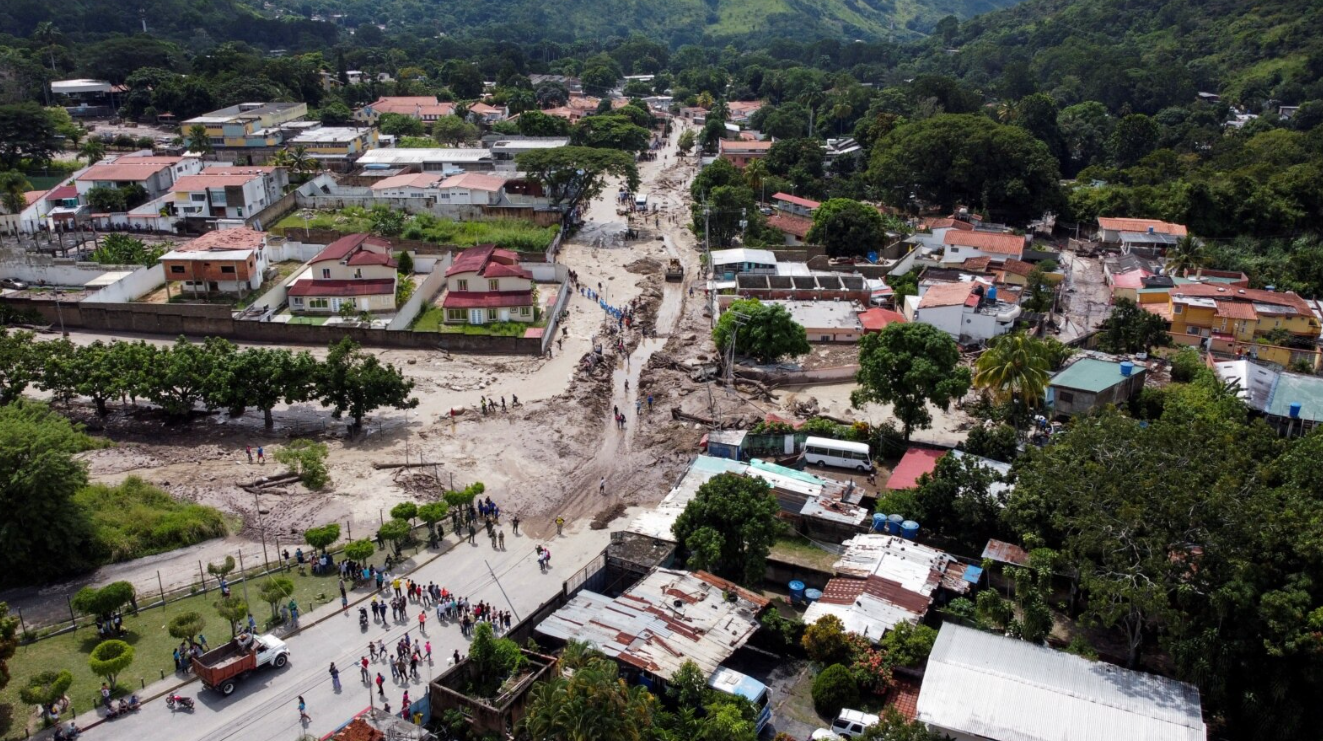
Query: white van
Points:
[824, 451]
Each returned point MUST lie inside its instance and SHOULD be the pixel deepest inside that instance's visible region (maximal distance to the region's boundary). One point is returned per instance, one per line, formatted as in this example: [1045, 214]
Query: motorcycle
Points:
[184, 702]
[67, 733]
[122, 707]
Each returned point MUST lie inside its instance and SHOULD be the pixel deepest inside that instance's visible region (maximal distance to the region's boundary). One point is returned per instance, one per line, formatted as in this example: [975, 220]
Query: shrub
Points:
[404, 511]
[233, 609]
[307, 459]
[779, 634]
[46, 689]
[186, 625]
[133, 519]
[998, 442]
[834, 689]
[909, 645]
[110, 658]
[322, 537]
[359, 550]
[825, 641]
[1186, 364]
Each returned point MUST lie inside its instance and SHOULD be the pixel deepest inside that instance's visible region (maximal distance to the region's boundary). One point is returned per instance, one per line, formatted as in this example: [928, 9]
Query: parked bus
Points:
[732, 682]
[824, 451]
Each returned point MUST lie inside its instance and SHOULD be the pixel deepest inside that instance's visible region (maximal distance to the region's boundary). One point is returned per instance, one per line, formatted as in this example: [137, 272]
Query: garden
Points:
[513, 234]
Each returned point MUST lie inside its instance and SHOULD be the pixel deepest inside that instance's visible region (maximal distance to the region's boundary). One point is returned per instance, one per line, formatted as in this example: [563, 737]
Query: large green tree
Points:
[27, 131]
[766, 332]
[729, 527]
[1015, 368]
[356, 382]
[1131, 328]
[847, 228]
[593, 702]
[967, 159]
[910, 366]
[611, 132]
[573, 175]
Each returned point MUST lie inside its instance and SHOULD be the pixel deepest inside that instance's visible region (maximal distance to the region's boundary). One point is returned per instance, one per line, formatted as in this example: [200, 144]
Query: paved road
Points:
[263, 708]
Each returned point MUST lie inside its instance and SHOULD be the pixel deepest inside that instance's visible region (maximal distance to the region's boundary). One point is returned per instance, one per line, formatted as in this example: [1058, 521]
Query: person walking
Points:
[515, 523]
[500, 536]
[335, 677]
[303, 711]
[473, 533]
[422, 622]
[381, 685]
[249, 450]
[363, 669]
[601, 486]
[261, 454]
[560, 525]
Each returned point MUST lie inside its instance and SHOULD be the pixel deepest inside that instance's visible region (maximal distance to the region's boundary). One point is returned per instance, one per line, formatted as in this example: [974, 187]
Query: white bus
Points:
[824, 451]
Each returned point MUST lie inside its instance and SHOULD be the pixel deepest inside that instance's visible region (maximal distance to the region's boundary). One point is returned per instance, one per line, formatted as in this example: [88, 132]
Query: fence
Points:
[422, 295]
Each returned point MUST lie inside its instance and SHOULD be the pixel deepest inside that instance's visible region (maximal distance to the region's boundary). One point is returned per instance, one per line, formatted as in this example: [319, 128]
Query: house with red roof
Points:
[914, 464]
[794, 205]
[487, 115]
[1145, 235]
[961, 245]
[485, 285]
[969, 311]
[1236, 321]
[356, 269]
[425, 108]
[221, 261]
[741, 153]
[156, 175]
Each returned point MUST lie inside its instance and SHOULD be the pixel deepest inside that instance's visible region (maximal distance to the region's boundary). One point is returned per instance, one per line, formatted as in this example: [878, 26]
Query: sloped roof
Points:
[412, 105]
[408, 180]
[486, 300]
[1236, 310]
[998, 243]
[205, 181]
[950, 223]
[1122, 224]
[369, 287]
[1018, 267]
[796, 225]
[125, 170]
[221, 240]
[474, 181]
[946, 294]
[915, 463]
[805, 202]
[486, 257]
[1288, 299]
[876, 319]
[351, 246]
[983, 685]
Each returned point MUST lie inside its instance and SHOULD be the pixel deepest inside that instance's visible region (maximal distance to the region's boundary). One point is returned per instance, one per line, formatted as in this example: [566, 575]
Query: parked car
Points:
[851, 723]
[13, 284]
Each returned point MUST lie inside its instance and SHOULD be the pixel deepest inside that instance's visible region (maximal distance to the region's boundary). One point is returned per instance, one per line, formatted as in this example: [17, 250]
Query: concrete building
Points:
[740, 152]
[250, 133]
[729, 263]
[156, 175]
[409, 185]
[1092, 382]
[223, 261]
[356, 269]
[425, 108]
[969, 311]
[445, 160]
[227, 192]
[980, 686]
[794, 205]
[336, 147]
[1291, 402]
[963, 245]
[1148, 235]
[471, 189]
[505, 149]
[825, 321]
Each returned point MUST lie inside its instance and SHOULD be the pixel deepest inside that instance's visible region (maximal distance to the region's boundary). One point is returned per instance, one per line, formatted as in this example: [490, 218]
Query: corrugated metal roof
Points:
[985, 685]
[918, 567]
[1004, 552]
[666, 619]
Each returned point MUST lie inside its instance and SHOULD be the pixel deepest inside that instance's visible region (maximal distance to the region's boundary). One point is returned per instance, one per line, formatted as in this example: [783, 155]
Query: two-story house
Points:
[156, 175]
[336, 147]
[227, 192]
[425, 108]
[1148, 236]
[356, 269]
[1237, 321]
[485, 285]
[487, 115]
[247, 133]
[969, 311]
[223, 261]
[740, 153]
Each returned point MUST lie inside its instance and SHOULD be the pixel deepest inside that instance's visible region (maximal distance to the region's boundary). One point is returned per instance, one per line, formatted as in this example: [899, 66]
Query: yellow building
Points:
[1275, 326]
[336, 147]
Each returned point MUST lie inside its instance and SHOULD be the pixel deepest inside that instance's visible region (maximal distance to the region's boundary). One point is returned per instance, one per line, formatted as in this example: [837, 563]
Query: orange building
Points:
[223, 261]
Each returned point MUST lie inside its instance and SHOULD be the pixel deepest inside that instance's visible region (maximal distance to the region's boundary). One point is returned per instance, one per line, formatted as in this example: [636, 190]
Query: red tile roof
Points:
[1121, 224]
[950, 223]
[474, 181]
[1018, 267]
[487, 300]
[998, 243]
[190, 183]
[369, 287]
[489, 262]
[61, 193]
[1276, 298]
[877, 318]
[742, 147]
[976, 264]
[421, 105]
[241, 238]
[1236, 310]
[351, 246]
[947, 294]
[796, 225]
[904, 697]
[32, 196]
[124, 171]
[1132, 279]
[805, 202]
[915, 463]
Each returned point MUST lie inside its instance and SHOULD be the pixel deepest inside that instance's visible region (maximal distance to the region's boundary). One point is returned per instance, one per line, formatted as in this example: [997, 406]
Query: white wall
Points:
[141, 282]
[422, 295]
[946, 318]
[547, 272]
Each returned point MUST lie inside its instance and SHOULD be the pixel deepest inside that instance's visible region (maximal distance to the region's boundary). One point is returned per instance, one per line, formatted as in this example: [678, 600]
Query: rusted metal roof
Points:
[1003, 552]
[666, 619]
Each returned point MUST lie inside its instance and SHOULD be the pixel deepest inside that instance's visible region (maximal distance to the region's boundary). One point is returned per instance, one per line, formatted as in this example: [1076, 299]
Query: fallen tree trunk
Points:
[380, 466]
[677, 413]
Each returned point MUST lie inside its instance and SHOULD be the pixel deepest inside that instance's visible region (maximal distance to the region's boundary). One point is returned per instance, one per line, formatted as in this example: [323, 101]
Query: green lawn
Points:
[797, 549]
[514, 234]
[311, 321]
[433, 320]
[152, 644]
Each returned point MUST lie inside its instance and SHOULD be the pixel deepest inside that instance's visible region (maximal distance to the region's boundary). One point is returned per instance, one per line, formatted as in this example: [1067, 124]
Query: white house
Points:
[471, 188]
[967, 310]
[155, 174]
[962, 245]
[356, 269]
[410, 185]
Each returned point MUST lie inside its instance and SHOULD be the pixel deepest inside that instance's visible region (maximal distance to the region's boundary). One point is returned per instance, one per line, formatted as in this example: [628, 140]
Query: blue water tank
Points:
[879, 523]
[992, 293]
[909, 530]
[1295, 410]
[1127, 368]
[796, 592]
[812, 595]
[893, 524]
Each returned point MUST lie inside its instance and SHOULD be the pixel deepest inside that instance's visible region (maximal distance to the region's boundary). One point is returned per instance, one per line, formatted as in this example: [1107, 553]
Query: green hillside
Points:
[1142, 52]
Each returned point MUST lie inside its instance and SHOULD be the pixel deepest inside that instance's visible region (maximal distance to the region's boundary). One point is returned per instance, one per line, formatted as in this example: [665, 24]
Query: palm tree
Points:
[1015, 367]
[48, 35]
[197, 139]
[754, 174]
[1186, 255]
[302, 162]
[93, 150]
[811, 100]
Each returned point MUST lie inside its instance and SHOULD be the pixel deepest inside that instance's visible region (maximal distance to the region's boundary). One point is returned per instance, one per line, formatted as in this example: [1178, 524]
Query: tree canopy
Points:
[910, 366]
[847, 228]
[729, 527]
[575, 175]
[765, 332]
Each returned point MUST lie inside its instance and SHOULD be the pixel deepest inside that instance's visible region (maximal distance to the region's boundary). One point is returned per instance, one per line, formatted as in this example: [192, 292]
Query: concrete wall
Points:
[57, 271]
[422, 296]
[562, 299]
[141, 282]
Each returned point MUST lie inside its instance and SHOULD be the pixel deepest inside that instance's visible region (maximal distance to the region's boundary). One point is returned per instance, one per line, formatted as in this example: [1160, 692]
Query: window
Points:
[229, 269]
[1065, 396]
[525, 310]
[492, 285]
[461, 285]
[198, 196]
[177, 269]
[317, 303]
[1192, 330]
[326, 273]
[298, 301]
[491, 315]
[1178, 309]
[455, 315]
[358, 273]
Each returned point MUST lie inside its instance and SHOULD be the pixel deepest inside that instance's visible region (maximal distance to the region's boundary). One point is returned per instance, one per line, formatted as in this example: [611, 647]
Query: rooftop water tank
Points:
[992, 293]
[1295, 410]
[909, 530]
[812, 595]
[893, 524]
[879, 523]
[1127, 368]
